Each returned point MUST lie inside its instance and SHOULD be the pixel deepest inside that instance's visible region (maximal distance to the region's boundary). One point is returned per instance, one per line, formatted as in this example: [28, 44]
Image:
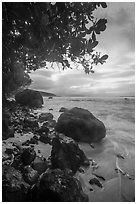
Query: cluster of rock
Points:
[28, 177]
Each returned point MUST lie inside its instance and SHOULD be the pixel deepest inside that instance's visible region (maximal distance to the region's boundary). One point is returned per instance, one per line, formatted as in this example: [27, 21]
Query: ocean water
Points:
[118, 116]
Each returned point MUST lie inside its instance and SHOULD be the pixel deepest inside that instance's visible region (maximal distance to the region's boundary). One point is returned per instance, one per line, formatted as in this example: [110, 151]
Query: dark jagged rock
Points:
[26, 143]
[62, 109]
[7, 131]
[52, 123]
[30, 98]
[50, 109]
[32, 115]
[31, 122]
[48, 124]
[40, 165]
[96, 182]
[14, 188]
[45, 124]
[67, 154]
[9, 150]
[98, 176]
[44, 138]
[44, 129]
[81, 125]
[6, 116]
[34, 140]
[17, 162]
[81, 170]
[58, 186]
[120, 156]
[45, 117]
[30, 175]
[28, 156]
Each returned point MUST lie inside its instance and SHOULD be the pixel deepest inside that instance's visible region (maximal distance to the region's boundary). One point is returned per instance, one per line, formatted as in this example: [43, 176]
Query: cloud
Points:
[117, 76]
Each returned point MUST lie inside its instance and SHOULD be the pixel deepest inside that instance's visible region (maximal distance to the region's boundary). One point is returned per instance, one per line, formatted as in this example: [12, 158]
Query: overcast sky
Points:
[114, 78]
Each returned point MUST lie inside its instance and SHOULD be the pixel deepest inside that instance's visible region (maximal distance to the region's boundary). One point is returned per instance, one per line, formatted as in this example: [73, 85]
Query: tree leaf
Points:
[104, 5]
[104, 57]
[91, 46]
[93, 36]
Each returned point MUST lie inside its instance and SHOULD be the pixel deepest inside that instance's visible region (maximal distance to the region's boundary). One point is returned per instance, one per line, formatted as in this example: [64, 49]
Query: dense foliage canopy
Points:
[34, 33]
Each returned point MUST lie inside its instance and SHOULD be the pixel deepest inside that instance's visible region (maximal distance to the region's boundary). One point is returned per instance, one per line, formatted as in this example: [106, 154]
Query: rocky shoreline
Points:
[41, 163]
[27, 174]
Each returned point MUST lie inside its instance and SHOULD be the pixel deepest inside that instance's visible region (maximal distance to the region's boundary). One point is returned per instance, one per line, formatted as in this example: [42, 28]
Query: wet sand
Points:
[115, 170]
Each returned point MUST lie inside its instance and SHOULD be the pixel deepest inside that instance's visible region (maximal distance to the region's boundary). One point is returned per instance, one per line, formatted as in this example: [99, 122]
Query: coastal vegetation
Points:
[39, 34]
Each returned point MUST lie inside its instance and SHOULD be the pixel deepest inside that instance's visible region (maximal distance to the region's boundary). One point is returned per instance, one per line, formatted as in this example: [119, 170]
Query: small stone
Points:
[50, 109]
[28, 156]
[45, 117]
[86, 162]
[19, 131]
[44, 138]
[52, 123]
[31, 115]
[39, 165]
[30, 175]
[81, 170]
[96, 182]
[33, 140]
[120, 156]
[26, 143]
[91, 145]
[44, 129]
[100, 177]
[9, 151]
[30, 122]
[62, 109]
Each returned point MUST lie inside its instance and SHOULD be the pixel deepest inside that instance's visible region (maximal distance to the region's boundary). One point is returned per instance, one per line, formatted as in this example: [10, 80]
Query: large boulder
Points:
[57, 186]
[81, 125]
[30, 98]
[67, 154]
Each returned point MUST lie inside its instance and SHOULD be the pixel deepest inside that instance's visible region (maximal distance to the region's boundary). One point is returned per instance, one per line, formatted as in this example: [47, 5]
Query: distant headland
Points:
[43, 93]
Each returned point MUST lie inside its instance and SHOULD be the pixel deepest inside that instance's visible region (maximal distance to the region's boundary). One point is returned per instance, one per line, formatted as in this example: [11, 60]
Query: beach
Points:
[112, 161]
[118, 115]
